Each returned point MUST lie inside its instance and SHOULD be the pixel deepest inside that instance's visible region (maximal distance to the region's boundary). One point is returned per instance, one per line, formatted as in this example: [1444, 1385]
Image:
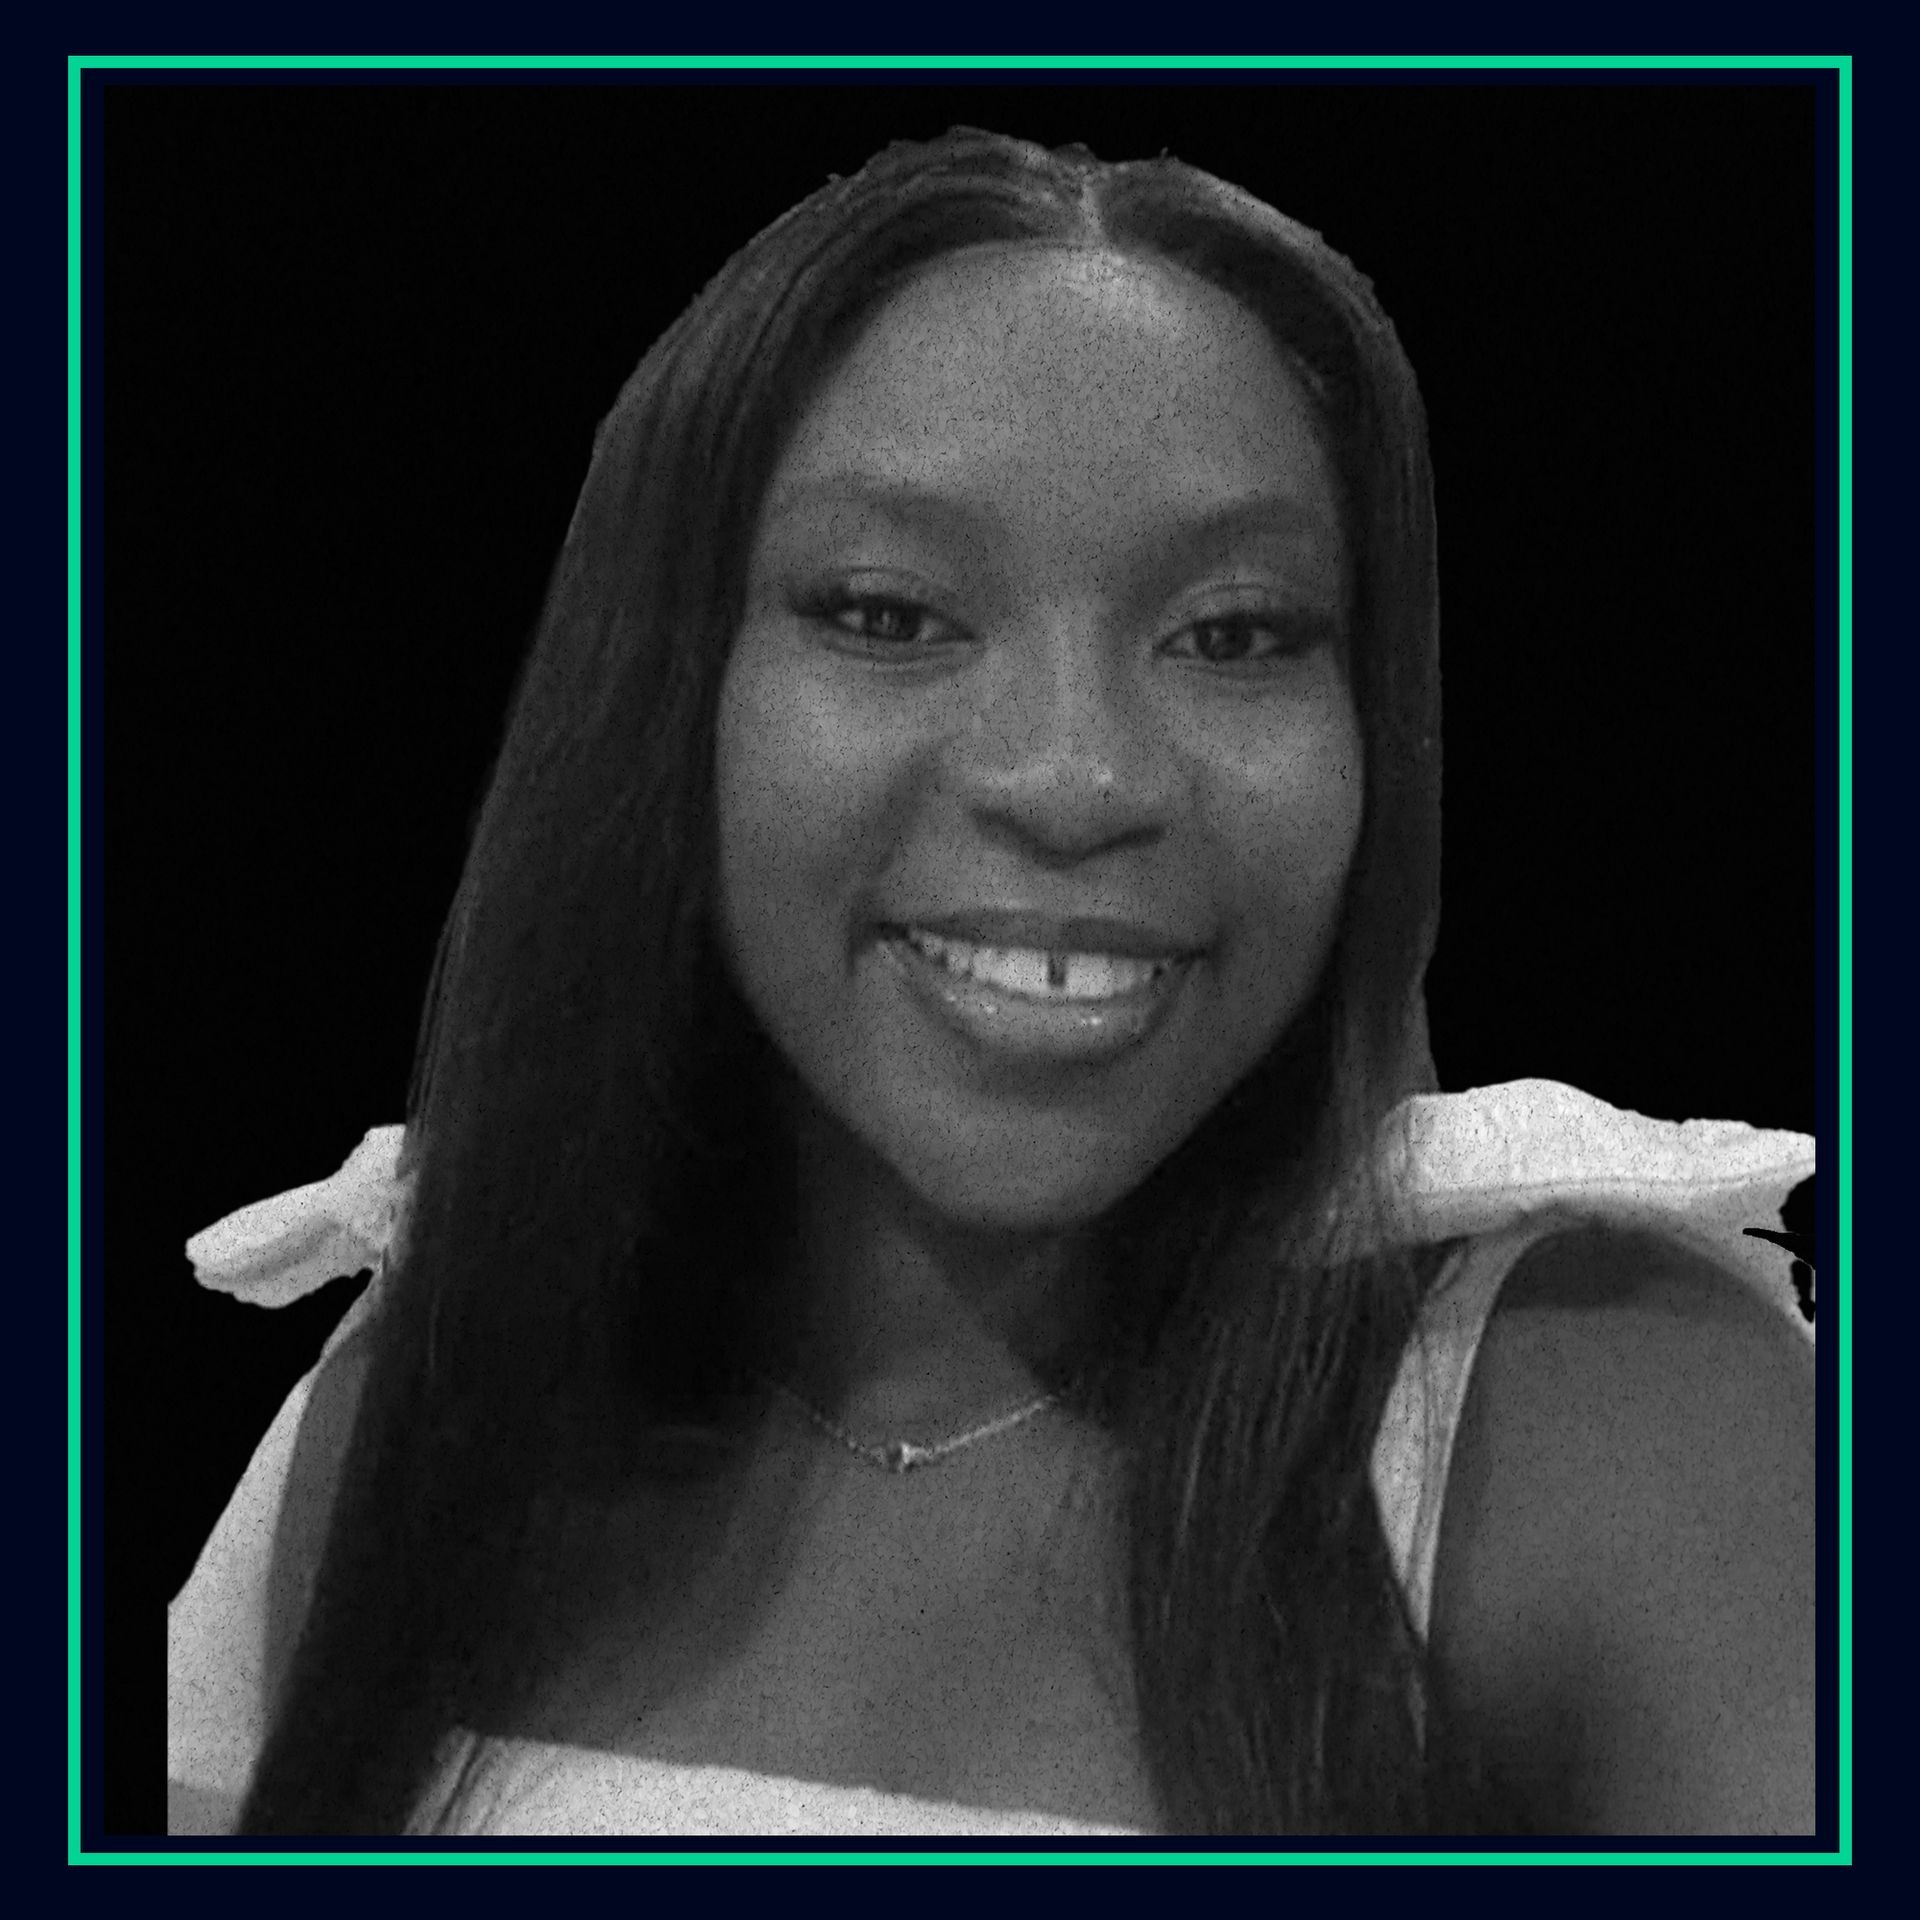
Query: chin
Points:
[1028, 1199]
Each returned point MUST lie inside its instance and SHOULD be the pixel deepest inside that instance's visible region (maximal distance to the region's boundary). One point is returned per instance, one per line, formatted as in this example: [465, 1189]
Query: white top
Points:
[1501, 1167]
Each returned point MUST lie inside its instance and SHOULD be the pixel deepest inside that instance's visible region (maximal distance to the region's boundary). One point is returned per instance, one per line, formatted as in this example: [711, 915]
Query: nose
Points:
[1065, 751]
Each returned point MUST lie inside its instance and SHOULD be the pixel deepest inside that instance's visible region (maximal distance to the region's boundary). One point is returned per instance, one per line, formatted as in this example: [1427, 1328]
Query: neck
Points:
[903, 1322]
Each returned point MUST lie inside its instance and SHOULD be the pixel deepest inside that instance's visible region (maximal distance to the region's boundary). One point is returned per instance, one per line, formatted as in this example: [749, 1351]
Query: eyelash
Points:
[1313, 630]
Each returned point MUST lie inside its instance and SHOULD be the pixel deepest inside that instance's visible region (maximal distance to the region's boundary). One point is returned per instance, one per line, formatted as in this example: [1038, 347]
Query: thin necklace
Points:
[898, 1456]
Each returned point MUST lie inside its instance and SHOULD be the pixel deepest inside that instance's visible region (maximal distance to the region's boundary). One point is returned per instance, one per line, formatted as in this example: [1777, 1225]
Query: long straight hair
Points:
[585, 1187]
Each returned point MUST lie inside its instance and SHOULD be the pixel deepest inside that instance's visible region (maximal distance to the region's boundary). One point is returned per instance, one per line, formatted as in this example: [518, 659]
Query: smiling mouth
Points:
[1033, 973]
[1026, 1005]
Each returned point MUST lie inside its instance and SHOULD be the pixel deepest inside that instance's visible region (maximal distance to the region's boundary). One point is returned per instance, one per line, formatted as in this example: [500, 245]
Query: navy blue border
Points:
[965, 76]
[95, 1663]
[95, 1743]
[1833, 1314]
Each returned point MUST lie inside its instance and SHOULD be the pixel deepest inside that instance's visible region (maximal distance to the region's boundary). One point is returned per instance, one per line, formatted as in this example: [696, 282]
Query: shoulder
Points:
[308, 1498]
[231, 1629]
[1623, 1612]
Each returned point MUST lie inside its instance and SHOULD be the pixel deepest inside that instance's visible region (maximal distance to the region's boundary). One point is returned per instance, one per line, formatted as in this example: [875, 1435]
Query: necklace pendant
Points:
[902, 1454]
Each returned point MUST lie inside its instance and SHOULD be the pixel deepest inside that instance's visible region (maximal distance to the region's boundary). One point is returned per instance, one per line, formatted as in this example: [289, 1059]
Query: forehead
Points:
[1089, 374]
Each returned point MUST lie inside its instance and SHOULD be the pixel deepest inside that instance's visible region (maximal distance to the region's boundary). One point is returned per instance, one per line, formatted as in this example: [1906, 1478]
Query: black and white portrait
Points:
[973, 927]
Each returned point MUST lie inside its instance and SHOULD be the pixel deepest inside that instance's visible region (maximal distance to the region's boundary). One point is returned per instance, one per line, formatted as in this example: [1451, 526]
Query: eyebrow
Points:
[922, 508]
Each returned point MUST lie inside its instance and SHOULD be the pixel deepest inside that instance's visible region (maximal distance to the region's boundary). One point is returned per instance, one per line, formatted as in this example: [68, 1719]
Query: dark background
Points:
[356, 342]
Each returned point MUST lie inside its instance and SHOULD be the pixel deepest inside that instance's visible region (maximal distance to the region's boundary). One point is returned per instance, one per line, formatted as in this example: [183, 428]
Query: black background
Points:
[356, 342]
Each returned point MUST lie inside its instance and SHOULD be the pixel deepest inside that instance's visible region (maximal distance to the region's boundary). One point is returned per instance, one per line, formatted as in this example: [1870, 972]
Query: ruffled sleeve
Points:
[278, 1251]
[1496, 1158]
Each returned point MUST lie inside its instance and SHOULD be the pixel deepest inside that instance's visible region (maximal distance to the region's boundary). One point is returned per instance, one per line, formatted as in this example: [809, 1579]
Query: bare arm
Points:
[1624, 1604]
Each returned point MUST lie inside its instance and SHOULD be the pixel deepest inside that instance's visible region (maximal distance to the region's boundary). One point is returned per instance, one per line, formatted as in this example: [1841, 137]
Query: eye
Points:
[882, 620]
[1254, 638]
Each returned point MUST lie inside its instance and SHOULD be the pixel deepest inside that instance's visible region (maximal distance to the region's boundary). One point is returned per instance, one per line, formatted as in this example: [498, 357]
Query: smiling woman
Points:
[937, 985]
[918, 835]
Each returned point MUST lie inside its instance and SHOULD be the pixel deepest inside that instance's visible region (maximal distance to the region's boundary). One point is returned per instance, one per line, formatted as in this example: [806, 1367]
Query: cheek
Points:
[1288, 818]
[774, 762]
[805, 805]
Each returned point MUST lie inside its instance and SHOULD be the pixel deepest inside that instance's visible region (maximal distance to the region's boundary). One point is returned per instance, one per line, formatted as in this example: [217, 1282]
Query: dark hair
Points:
[573, 1126]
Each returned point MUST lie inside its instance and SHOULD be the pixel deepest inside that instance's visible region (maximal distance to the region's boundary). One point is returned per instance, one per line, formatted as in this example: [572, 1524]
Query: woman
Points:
[937, 984]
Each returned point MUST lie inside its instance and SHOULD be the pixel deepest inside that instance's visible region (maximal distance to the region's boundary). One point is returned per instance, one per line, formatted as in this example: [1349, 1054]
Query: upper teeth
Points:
[1033, 971]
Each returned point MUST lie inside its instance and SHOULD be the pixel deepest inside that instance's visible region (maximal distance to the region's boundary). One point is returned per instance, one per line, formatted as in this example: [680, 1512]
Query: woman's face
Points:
[1039, 778]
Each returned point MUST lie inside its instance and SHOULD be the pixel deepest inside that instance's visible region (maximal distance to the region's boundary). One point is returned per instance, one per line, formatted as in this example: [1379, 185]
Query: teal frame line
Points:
[1118, 64]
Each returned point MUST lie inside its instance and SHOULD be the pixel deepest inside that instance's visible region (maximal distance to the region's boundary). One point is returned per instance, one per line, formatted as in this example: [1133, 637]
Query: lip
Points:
[1017, 1027]
[1052, 933]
